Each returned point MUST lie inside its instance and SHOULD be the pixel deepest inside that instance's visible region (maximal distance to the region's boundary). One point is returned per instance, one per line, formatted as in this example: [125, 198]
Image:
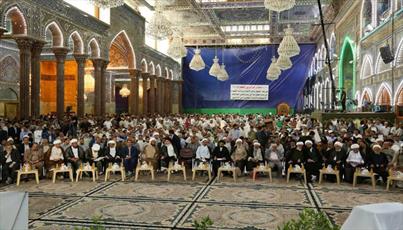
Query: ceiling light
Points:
[124, 92]
[223, 74]
[274, 71]
[289, 46]
[107, 3]
[197, 62]
[284, 62]
[159, 26]
[215, 68]
[177, 49]
[279, 5]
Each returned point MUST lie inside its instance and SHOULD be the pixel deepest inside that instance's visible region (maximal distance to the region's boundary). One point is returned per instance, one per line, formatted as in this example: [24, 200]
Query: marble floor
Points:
[176, 204]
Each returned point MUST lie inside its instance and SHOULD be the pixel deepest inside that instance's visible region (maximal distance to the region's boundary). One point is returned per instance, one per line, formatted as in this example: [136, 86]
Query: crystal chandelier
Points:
[289, 46]
[223, 74]
[159, 26]
[197, 62]
[107, 3]
[177, 49]
[215, 68]
[279, 5]
[274, 71]
[284, 62]
[124, 92]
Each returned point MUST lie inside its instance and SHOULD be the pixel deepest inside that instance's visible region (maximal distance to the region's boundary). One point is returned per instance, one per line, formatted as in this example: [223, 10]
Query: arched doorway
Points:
[122, 58]
[384, 98]
[347, 71]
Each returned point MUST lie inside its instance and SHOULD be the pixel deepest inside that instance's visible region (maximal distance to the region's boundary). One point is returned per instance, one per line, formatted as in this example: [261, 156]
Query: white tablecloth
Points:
[382, 216]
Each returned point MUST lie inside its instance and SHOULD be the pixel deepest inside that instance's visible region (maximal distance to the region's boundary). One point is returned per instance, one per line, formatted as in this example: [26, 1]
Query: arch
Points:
[56, 33]
[328, 93]
[17, 19]
[399, 95]
[324, 55]
[316, 63]
[367, 22]
[332, 45]
[151, 67]
[171, 73]
[93, 48]
[166, 73]
[399, 54]
[366, 95]
[383, 10]
[384, 95]
[77, 43]
[158, 70]
[366, 67]
[121, 51]
[144, 66]
[357, 96]
[347, 67]
[10, 69]
[380, 66]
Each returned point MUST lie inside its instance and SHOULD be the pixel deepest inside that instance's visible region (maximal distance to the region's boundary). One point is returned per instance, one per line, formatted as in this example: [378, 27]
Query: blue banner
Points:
[246, 65]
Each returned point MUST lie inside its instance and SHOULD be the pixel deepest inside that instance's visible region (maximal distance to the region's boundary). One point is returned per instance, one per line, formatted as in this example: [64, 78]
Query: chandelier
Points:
[197, 62]
[159, 26]
[215, 68]
[124, 91]
[223, 74]
[284, 62]
[177, 49]
[107, 3]
[279, 5]
[289, 46]
[274, 71]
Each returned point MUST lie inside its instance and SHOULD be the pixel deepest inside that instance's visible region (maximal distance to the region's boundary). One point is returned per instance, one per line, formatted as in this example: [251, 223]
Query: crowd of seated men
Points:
[244, 141]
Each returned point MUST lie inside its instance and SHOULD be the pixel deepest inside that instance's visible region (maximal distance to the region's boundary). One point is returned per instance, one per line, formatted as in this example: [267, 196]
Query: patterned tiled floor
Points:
[175, 205]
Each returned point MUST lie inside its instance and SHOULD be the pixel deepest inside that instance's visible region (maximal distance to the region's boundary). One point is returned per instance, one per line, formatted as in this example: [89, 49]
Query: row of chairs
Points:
[203, 167]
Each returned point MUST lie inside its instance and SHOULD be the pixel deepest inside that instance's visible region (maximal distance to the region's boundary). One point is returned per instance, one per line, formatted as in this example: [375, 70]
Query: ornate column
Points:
[97, 63]
[36, 51]
[162, 95]
[145, 95]
[103, 87]
[134, 91]
[80, 59]
[152, 94]
[158, 96]
[2, 31]
[169, 95]
[60, 54]
[180, 96]
[24, 44]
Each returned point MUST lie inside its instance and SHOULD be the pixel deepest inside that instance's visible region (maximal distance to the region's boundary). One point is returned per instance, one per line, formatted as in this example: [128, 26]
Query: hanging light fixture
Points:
[289, 46]
[159, 26]
[124, 91]
[215, 68]
[273, 73]
[197, 62]
[108, 3]
[222, 74]
[177, 49]
[284, 62]
[279, 5]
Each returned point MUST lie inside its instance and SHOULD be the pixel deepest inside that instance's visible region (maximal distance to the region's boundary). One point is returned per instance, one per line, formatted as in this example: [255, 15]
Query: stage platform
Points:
[326, 116]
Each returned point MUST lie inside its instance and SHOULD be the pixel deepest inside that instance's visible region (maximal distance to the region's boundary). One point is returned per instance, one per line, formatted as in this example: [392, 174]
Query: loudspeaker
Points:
[386, 54]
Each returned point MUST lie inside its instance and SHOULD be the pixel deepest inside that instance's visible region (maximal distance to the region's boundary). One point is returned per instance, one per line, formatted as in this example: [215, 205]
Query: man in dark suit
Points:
[130, 156]
[14, 131]
[75, 155]
[176, 142]
[10, 161]
[25, 146]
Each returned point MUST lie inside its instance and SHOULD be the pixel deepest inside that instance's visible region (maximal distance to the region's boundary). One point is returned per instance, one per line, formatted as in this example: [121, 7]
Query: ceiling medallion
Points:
[273, 73]
[289, 46]
[197, 62]
[279, 5]
[124, 92]
[108, 3]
